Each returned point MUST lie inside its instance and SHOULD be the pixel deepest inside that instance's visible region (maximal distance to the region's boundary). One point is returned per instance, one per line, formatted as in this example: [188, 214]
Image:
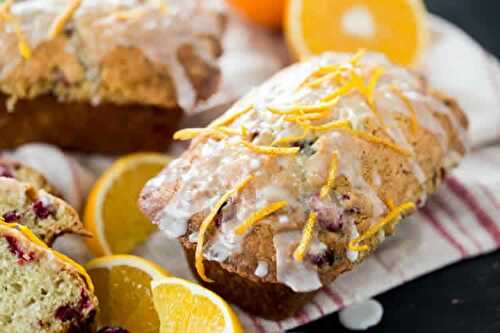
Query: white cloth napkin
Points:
[460, 221]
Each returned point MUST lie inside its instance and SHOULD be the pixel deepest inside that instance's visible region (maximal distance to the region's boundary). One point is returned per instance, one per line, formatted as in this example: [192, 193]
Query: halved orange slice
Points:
[395, 27]
[112, 213]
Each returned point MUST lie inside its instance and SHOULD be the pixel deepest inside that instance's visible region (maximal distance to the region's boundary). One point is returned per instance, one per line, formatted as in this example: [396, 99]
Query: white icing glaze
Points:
[156, 181]
[361, 316]
[350, 254]
[193, 238]
[300, 276]
[262, 269]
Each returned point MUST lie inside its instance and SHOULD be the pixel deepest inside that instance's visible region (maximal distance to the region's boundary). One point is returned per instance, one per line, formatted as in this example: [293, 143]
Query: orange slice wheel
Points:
[394, 27]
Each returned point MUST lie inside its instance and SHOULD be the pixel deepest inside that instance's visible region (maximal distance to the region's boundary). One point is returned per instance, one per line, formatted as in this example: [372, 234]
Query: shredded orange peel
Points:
[409, 106]
[372, 84]
[232, 117]
[377, 140]
[290, 139]
[332, 173]
[307, 116]
[341, 91]
[33, 238]
[336, 124]
[395, 213]
[200, 268]
[5, 13]
[270, 150]
[357, 57]
[258, 216]
[191, 133]
[307, 235]
[60, 21]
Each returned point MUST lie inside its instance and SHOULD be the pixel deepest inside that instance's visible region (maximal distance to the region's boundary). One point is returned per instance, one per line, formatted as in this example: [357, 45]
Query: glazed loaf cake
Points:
[46, 215]
[41, 290]
[304, 177]
[104, 75]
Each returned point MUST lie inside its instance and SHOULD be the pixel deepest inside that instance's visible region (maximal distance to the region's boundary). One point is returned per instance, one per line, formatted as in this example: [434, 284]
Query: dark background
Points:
[464, 297]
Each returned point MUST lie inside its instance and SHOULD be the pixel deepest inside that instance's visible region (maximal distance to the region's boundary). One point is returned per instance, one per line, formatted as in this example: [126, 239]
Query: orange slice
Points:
[187, 307]
[394, 27]
[123, 287]
[268, 13]
[112, 213]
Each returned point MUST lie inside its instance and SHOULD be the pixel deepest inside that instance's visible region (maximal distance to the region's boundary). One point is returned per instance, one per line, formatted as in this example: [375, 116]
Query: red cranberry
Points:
[325, 258]
[218, 219]
[345, 197]
[15, 249]
[41, 210]
[5, 171]
[108, 329]
[11, 216]
[67, 313]
[329, 214]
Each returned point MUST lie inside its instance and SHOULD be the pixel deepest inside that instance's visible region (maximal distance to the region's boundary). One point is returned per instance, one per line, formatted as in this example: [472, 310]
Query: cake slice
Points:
[41, 289]
[46, 215]
[23, 173]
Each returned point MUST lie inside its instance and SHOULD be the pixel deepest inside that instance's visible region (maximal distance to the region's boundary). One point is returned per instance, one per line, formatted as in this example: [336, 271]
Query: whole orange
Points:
[268, 13]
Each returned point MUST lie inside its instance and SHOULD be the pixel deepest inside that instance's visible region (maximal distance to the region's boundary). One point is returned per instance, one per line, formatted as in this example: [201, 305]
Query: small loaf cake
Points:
[104, 75]
[46, 215]
[25, 174]
[304, 177]
[41, 290]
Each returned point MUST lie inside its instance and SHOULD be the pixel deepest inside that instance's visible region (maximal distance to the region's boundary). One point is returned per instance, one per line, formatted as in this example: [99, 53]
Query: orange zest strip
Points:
[290, 139]
[317, 82]
[244, 131]
[257, 216]
[308, 116]
[331, 177]
[191, 133]
[376, 75]
[23, 46]
[200, 268]
[409, 105]
[390, 204]
[226, 130]
[230, 118]
[283, 113]
[308, 108]
[337, 124]
[356, 57]
[344, 90]
[59, 23]
[33, 238]
[268, 150]
[307, 235]
[322, 70]
[375, 139]
[393, 215]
